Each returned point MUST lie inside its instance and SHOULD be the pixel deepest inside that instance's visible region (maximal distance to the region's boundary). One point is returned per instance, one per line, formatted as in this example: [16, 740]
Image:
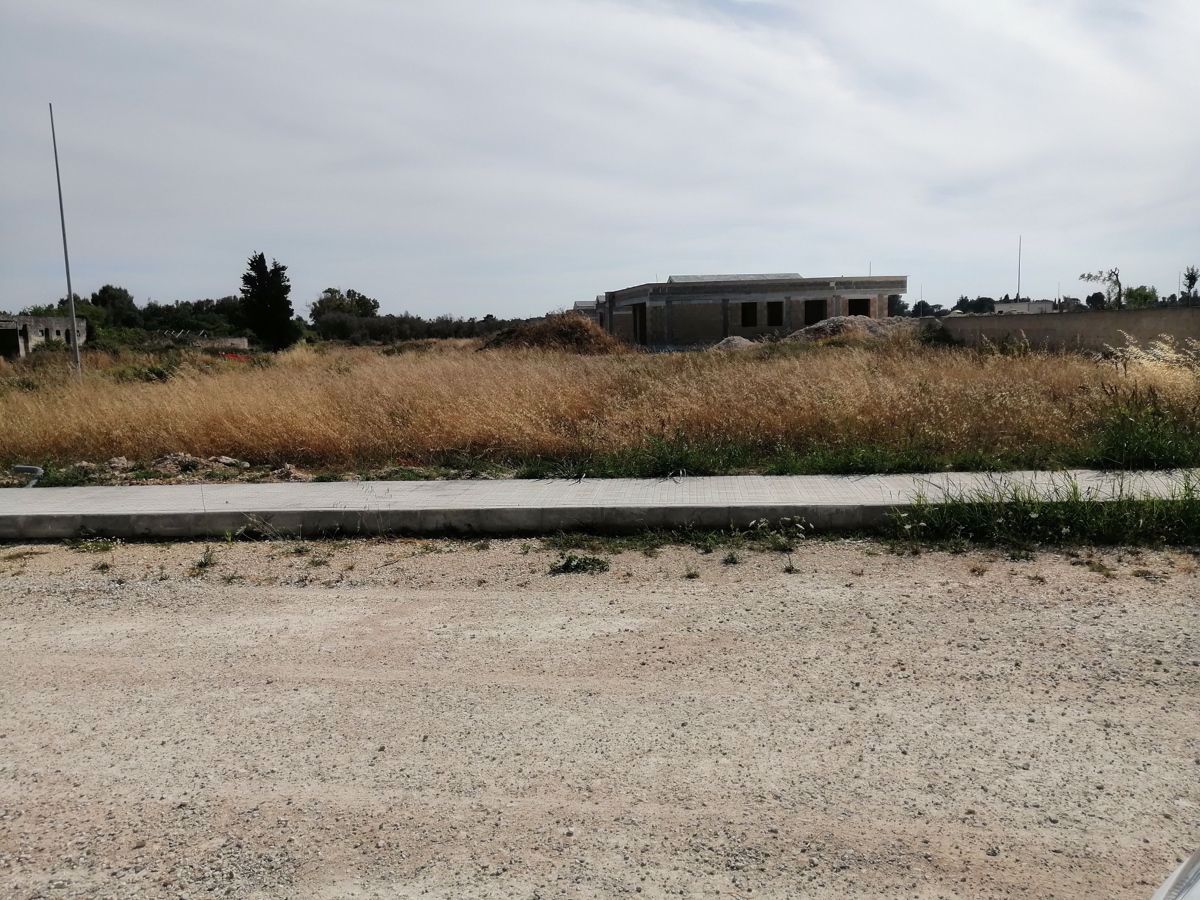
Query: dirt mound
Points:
[568, 332]
[851, 326]
[733, 343]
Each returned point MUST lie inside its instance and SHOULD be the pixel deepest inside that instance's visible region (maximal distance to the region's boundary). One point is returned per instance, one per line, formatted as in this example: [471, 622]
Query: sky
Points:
[467, 157]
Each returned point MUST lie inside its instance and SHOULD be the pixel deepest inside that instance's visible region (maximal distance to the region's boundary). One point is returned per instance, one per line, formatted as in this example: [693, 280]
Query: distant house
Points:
[19, 335]
[1024, 307]
[593, 309]
[703, 309]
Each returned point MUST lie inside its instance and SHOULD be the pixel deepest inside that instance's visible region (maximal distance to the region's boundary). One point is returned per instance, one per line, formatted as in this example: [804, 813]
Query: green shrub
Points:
[573, 564]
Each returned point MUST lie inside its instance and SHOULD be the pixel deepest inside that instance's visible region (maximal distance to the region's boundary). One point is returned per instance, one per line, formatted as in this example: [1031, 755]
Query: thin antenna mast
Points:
[62, 218]
[1019, 242]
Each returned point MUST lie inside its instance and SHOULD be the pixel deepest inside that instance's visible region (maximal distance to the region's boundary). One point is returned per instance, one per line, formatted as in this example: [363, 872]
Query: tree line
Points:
[262, 311]
[1113, 296]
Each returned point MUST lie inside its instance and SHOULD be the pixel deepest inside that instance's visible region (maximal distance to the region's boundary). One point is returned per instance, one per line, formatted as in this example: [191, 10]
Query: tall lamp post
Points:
[62, 218]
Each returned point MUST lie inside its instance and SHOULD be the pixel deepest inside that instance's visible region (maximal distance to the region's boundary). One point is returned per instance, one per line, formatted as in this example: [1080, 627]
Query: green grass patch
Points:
[65, 476]
[1019, 517]
[668, 459]
[1141, 433]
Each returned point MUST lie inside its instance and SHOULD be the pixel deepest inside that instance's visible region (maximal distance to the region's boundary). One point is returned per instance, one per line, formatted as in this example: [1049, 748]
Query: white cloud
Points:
[472, 157]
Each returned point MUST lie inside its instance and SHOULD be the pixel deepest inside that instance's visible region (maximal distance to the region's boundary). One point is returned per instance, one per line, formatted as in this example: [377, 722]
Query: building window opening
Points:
[57, 332]
[775, 313]
[814, 311]
[860, 306]
[749, 315]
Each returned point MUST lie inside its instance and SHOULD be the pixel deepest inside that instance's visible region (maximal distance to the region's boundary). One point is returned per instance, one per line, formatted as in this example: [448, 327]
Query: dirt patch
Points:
[563, 331]
[392, 718]
[854, 327]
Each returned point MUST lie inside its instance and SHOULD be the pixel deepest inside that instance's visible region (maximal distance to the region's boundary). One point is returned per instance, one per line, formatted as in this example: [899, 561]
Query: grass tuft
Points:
[573, 564]
[208, 559]
[93, 545]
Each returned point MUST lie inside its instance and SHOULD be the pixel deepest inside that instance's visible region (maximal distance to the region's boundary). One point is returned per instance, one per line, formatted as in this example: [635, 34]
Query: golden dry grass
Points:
[360, 408]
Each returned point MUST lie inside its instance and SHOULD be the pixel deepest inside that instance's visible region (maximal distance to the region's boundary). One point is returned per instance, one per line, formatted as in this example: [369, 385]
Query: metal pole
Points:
[62, 218]
[1019, 241]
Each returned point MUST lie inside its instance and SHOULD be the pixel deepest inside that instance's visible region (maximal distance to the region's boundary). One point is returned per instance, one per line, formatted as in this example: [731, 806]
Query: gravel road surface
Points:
[446, 719]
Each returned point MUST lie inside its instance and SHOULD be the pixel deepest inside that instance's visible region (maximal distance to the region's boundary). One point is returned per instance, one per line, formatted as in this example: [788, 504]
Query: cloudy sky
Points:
[512, 156]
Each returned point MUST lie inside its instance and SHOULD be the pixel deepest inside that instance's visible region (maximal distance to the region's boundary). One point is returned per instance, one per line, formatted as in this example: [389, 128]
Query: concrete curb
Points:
[483, 521]
[825, 503]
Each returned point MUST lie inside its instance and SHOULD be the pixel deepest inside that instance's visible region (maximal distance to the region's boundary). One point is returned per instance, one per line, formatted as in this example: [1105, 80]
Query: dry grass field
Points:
[898, 406]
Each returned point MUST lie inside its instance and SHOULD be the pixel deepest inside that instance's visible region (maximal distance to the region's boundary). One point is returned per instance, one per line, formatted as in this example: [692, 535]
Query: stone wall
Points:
[1074, 330]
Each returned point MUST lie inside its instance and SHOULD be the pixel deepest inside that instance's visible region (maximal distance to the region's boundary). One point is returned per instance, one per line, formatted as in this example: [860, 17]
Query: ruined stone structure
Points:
[687, 310]
[19, 335]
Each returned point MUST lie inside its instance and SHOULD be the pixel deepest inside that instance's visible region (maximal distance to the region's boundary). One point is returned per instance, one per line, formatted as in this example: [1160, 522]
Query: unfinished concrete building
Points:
[686, 310]
[19, 335]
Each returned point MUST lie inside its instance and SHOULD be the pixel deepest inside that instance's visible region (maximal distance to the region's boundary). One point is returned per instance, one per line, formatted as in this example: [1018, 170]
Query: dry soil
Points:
[442, 719]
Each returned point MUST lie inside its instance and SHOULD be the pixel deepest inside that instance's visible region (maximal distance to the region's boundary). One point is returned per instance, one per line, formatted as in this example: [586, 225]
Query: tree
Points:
[265, 303]
[118, 304]
[351, 303]
[978, 305]
[897, 306]
[1141, 297]
[1190, 276]
[1111, 280]
[924, 308]
[1095, 301]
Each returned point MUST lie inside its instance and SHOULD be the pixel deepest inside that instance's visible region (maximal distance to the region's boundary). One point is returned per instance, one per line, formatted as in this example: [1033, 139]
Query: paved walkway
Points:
[499, 507]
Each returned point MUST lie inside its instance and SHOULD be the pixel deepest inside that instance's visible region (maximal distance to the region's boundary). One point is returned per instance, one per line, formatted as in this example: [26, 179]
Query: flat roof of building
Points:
[684, 285]
[691, 279]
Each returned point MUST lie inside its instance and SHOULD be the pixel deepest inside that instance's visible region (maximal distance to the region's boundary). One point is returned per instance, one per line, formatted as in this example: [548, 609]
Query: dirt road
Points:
[425, 718]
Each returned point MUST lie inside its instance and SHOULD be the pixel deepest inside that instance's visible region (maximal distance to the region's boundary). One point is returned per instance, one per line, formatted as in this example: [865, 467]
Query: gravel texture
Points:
[446, 719]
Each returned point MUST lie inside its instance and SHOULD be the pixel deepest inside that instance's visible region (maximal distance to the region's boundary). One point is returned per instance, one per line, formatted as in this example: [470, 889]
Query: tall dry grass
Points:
[359, 408]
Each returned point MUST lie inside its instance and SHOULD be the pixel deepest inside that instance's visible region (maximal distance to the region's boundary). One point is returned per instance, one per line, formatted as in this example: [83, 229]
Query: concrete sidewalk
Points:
[512, 507]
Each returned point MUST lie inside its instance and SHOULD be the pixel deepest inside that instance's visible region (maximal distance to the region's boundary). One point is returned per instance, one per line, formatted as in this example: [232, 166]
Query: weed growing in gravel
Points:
[763, 535]
[731, 558]
[691, 573]
[207, 560]
[20, 555]
[573, 564]
[93, 545]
